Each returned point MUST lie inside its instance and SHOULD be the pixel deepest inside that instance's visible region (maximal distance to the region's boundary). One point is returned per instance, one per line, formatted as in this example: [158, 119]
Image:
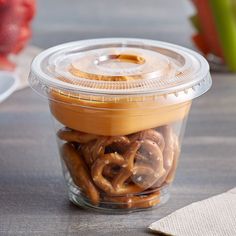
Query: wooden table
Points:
[33, 198]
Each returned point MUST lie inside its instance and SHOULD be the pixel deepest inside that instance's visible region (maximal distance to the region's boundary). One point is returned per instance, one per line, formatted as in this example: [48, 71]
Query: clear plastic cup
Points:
[120, 107]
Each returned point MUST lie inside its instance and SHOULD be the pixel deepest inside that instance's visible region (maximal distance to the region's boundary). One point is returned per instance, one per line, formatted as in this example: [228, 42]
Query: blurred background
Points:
[82, 19]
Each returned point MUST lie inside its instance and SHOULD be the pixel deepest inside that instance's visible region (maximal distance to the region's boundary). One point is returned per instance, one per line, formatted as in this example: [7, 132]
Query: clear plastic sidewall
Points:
[122, 173]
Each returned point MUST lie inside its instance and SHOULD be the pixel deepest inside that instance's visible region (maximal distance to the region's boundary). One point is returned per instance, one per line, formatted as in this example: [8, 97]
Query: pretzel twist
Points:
[110, 171]
[148, 169]
[169, 152]
[144, 176]
[117, 186]
[92, 150]
[70, 135]
[126, 171]
[79, 172]
[149, 134]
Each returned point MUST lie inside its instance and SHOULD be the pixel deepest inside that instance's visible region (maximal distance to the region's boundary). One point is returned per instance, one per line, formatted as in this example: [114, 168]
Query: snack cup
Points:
[120, 107]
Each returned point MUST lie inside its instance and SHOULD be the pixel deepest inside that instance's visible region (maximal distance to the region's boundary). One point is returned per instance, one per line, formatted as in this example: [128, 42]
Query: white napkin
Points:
[17, 79]
[23, 61]
[215, 216]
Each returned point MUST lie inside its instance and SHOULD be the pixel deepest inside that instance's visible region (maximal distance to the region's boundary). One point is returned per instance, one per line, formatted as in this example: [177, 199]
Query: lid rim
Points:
[201, 74]
[157, 92]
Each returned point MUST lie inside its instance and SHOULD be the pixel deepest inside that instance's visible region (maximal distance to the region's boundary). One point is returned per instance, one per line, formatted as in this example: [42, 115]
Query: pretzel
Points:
[144, 176]
[98, 166]
[150, 134]
[97, 170]
[168, 152]
[142, 201]
[118, 186]
[171, 173]
[87, 151]
[110, 171]
[126, 171]
[92, 150]
[151, 165]
[118, 144]
[151, 153]
[70, 135]
[79, 172]
[106, 185]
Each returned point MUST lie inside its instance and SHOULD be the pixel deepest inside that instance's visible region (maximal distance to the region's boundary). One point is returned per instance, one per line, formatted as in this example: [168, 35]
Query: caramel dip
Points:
[115, 115]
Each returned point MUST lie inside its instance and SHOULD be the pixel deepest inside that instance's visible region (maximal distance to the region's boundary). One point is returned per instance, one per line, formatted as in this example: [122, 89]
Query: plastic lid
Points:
[118, 68]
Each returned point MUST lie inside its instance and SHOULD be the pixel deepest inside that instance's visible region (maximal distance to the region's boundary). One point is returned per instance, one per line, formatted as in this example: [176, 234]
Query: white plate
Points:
[8, 84]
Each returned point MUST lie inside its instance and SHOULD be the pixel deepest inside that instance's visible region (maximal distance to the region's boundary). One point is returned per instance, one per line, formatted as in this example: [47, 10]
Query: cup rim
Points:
[197, 84]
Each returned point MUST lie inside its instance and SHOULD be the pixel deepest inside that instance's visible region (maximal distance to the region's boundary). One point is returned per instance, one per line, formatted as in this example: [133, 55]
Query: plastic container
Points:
[120, 107]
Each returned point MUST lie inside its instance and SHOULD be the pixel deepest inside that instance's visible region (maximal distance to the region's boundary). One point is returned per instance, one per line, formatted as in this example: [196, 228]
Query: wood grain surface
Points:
[33, 198]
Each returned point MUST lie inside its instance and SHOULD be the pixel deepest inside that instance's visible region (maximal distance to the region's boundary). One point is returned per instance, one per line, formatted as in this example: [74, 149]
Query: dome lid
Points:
[117, 68]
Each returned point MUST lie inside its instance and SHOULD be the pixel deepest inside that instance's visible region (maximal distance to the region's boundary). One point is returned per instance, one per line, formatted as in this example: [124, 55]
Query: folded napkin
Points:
[215, 216]
[17, 79]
